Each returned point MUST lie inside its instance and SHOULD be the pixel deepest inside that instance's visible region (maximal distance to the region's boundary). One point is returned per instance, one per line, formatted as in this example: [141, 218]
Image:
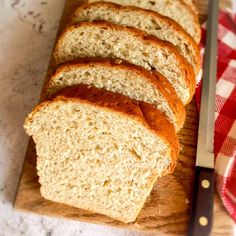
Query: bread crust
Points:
[168, 22]
[191, 5]
[185, 67]
[156, 79]
[183, 5]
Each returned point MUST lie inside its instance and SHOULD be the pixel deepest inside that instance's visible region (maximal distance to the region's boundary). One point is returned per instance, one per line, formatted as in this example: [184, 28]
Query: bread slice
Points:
[103, 39]
[124, 78]
[174, 9]
[149, 21]
[191, 5]
[100, 151]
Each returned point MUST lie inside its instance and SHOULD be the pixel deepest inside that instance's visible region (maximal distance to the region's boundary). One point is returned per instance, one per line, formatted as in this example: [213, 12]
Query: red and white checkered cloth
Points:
[225, 110]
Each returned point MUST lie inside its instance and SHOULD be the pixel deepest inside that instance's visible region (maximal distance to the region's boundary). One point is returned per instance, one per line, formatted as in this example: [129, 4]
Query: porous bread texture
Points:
[149, 21]
[174, 9]
[103, 39]
[117, 76]
[100, 154]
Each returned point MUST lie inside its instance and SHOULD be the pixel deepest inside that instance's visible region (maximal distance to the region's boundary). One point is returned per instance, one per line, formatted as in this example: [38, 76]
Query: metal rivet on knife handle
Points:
[205, 183]
[203, 221]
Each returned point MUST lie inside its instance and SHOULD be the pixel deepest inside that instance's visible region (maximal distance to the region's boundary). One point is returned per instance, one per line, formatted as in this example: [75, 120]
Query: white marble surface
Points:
[27, 31]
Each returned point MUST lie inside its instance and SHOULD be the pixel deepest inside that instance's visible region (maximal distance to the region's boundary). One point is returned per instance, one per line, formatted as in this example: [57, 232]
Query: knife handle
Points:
[201, 216]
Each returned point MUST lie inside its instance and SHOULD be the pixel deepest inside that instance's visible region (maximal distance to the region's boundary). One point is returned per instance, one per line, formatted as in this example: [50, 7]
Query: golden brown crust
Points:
[175, 103]
[145, 113]
[191, 5]
[190, 80]
[155, 15]
[193, 10]
[101, 97]
[185, 67]
[160, 124]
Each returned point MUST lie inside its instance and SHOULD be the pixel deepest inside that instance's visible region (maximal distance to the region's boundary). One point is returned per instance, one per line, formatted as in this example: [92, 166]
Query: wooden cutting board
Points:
[166, 211]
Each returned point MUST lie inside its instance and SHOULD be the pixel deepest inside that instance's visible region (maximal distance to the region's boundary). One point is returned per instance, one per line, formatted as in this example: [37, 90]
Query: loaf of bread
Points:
[124, 78]
[100, 151]
[107, 127]
[103, 39]
[149, 21]
[174, 9]
[191, 5]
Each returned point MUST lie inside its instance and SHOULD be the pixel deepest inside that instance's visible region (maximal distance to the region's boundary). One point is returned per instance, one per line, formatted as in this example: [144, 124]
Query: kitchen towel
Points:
[225, 110]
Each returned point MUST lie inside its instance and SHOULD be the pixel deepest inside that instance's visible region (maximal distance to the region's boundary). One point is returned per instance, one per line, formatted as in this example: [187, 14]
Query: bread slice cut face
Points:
[177, 10]
[103, 39]
[100, 151]
[149, 21]
[120, 77]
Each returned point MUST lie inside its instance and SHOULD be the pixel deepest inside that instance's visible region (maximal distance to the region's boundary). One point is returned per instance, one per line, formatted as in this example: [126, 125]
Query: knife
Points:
[201, 215]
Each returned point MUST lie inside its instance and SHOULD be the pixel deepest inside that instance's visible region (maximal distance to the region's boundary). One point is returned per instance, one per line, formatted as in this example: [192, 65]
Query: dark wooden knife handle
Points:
[201, 215]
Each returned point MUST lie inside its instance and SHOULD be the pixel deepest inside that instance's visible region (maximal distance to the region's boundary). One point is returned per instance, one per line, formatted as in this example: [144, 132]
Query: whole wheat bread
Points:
[174, 9]
[120, 77]
[100, 151]
[149, 21]
[191, 5]
[103, 39]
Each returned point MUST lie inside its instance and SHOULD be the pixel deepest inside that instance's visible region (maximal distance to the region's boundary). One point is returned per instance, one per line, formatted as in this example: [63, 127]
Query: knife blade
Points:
[201, 215]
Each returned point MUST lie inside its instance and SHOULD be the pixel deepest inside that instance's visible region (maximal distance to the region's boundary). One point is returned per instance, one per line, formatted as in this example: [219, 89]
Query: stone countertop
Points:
[27, 29]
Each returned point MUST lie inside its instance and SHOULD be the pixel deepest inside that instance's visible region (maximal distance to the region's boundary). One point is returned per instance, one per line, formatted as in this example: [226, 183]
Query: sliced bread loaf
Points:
[174, 9]
[100, 151]
[149, 21]
[103, 39]
[191, 5]
[119, 77]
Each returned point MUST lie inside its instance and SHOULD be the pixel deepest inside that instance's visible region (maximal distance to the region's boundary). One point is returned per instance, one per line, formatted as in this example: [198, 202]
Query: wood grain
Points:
[166, 211]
